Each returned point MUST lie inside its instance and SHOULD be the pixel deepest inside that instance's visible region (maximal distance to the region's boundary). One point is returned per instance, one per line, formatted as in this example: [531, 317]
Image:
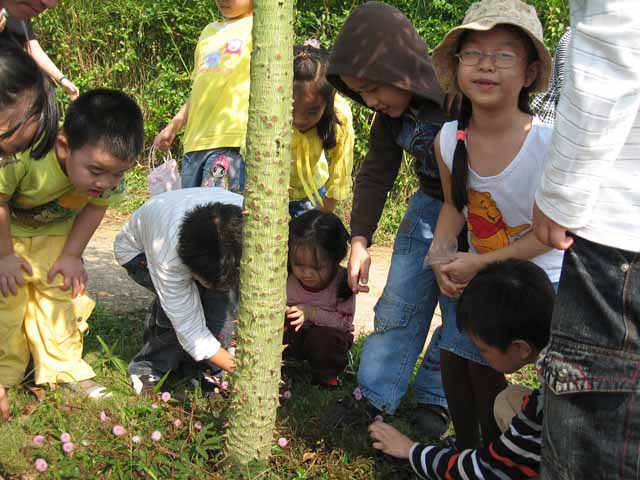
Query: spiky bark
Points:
[264, 260]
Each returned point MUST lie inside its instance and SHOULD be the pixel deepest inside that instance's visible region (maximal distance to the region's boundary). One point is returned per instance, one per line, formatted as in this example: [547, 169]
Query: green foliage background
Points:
[145, 47]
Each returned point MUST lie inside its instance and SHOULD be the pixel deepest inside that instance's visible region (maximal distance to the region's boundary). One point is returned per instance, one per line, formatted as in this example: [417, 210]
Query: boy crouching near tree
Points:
[49, 210]
[506, 309]
[184, 246]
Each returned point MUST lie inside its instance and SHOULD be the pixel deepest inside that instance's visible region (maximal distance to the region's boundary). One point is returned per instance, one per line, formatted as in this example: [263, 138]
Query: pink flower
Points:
[118, 430]
[103, 417]
[38, 440]
[165, 397]
[282, 442]
[286, 394]
[224, 385]
[65, 437]
[357, 393]
[378, 418]
[177, 423]
[136, 439]
[197, 425]
[41, 465]
[156, 436]
[68, 447]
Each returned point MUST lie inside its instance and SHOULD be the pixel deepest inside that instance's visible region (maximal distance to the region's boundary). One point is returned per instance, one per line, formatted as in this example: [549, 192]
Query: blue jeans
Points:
[403, 316]
[161, 351]
[298, 207]
[219, 167]
[591, 367]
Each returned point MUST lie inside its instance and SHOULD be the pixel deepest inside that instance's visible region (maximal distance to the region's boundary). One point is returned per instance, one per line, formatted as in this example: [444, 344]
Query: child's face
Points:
[313, 273]
[486, 84]
[516, 356]
[233, 9]
[90, 169]
[308, 106]
[383, 98]
[16, 130]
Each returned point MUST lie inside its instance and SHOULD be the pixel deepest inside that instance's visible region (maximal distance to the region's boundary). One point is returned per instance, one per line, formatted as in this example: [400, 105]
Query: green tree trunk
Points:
[264, 259]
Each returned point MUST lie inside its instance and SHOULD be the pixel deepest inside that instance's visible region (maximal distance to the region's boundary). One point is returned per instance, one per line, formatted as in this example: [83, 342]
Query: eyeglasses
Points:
[471, 57]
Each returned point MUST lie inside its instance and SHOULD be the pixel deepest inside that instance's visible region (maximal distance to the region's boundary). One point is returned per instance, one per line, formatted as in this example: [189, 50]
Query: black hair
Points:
[507, 301]
[108, 119]
[20, 76]
[210, 244]
[324, 234]
[310, 65]
[460, 169]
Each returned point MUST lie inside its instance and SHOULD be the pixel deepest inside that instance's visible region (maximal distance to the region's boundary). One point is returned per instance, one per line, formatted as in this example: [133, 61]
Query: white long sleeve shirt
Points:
[591, 183]
[153, 230]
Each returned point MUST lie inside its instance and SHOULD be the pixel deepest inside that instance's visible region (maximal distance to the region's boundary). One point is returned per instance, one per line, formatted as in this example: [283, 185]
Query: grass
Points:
[314, 451]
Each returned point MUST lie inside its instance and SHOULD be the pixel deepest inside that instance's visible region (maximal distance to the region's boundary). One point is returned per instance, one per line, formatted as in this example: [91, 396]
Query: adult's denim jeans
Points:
[403, 316]
[592, 368]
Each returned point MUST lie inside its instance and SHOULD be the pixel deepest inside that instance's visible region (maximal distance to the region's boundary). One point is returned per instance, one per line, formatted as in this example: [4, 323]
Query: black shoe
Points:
[349, 412]
[432, 420]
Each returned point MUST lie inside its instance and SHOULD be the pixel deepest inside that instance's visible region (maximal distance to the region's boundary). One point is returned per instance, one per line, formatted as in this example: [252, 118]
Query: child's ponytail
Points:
[460, 170]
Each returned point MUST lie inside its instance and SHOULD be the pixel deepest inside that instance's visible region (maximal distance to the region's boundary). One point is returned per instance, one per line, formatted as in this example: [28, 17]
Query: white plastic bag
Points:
[164, 177]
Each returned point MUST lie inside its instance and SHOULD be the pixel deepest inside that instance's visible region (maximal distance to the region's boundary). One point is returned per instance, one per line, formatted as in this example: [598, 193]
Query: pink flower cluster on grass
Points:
[41, 465]
[282, 442]
[118, 430]
[38, 440]
[165, 397]
[68, 447]
[156, 436]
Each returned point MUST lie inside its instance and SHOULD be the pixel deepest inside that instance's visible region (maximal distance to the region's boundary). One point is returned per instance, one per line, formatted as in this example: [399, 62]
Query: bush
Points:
[145, 47]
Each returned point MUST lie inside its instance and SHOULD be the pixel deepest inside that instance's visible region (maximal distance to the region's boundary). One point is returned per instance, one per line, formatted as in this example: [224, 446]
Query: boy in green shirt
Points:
[49, 210]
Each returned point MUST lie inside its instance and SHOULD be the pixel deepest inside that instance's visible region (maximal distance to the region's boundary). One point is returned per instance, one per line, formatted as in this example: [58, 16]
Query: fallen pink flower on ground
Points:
[177, 423]
[136, 439]
[118, 430]
[197, 425]
[156, 436]
[282, 442]
[224, 385]
[357, 393]
[41, 465]
[65, 437]
[287, 394]
[103, 417]
[68, 447]
[38, 440]
[165, 397]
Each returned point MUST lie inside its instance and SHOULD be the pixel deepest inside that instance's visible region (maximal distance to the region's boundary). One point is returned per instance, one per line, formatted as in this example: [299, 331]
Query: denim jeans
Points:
[219, 167]
[161, 350]
[403, 316]
[298, 207]
[592, 367]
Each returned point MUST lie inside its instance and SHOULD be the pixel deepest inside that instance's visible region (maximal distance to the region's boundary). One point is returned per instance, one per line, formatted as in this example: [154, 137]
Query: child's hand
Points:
[295, 316]
[359, 262]
[463, 268]
[4, 404]
[224, 360]
[11, 268]
[390, 440]
[73, 272]
[447, 285]
[165, 138]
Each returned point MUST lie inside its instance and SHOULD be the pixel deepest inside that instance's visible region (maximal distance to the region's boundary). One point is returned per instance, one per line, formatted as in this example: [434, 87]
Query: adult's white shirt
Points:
[153, 230]
[591, 183]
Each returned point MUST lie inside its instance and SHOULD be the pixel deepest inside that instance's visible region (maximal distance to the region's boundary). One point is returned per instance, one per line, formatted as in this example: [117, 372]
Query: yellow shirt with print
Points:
[219, 101]
[310, 169]
[42, 200]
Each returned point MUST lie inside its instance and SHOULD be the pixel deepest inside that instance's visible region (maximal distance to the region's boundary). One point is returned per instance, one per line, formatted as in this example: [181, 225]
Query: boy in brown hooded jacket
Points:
[379, 60]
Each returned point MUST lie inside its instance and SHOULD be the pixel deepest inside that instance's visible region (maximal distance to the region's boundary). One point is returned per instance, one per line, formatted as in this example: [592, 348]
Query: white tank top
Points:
[499, 207]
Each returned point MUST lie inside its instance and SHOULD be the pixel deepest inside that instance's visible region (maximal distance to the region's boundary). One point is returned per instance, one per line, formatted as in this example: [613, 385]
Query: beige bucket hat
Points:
[483, 16]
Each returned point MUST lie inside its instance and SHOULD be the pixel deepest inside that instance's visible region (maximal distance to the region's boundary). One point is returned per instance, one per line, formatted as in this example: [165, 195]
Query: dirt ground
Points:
[111, 287]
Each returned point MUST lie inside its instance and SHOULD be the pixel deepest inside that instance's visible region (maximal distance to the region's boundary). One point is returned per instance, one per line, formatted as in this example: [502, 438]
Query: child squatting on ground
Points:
[321, 306]
[49, 210]
[323, 136]
[185, 247]
[506, 310]
[220, 92]
[380, 61]
[28, 121]
[491, 161]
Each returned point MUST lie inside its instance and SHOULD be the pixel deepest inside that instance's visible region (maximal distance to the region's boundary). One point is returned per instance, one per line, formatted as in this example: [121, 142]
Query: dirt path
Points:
[111, 287]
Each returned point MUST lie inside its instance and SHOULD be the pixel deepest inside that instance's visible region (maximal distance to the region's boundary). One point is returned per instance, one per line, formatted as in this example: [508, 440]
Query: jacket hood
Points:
[379, 43]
